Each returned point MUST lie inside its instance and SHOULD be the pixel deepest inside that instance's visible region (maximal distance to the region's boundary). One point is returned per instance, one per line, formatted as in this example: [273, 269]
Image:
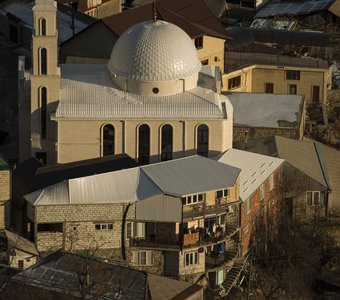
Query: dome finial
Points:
[154, 11]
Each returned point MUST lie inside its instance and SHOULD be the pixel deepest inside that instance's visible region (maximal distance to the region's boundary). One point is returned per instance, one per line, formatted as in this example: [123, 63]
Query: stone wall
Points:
[260, 132]
[5, 195]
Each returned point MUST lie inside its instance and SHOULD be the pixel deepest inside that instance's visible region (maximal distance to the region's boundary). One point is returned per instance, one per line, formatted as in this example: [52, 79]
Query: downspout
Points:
[125, 212]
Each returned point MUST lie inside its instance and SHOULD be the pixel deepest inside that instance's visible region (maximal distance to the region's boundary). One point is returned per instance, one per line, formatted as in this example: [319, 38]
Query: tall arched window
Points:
[166, 143]
[42, 26]
[144, 144]
[43, 112]
[203, 140]
[108, 140]
[43, 61]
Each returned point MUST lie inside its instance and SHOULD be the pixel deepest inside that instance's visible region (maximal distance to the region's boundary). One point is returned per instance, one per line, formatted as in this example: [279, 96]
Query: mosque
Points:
[153, 100]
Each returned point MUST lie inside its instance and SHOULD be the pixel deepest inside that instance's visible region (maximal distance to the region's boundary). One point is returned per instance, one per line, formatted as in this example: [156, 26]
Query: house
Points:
[277, 74]
[260, 181]
[158, 218]
[5, 192]
[152, 107]
[71, 276]
[94, 45]
[32, 175]
[260, 115]
[98, 9]
[19, 252]
[305, 185]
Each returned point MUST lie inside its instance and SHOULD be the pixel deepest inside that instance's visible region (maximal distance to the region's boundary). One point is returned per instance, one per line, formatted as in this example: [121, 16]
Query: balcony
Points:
[215, 258]
[153, 243]
[203, 238]
[202, 210]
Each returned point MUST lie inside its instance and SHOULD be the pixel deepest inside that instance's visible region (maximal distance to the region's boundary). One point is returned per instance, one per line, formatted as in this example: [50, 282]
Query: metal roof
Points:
[191, 175]
[113, 187]
[87, 91]
[306, 156]
[184, 176]
[255, 169]
[20, 243]
[266, 110]
[22, 9]
[293, 8]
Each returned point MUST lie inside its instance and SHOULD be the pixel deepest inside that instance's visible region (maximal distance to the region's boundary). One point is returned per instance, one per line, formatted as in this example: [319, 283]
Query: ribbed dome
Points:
[154, 51]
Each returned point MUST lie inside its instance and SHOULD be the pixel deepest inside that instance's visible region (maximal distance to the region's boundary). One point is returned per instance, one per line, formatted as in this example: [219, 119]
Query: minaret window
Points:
[43, 61]
[144, 144]
[203, 140]
[108, 140]
[166, 142]
[43, 112]
[42, 26]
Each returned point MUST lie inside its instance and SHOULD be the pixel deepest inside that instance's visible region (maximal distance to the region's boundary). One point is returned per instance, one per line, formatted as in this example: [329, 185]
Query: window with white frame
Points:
[191, 258]
[271, 182]
[135, 230]
[222, 193]
[248, 205]
[104, 226]
[315, 198]
[143, 258]
[262, 191]
[193, 199]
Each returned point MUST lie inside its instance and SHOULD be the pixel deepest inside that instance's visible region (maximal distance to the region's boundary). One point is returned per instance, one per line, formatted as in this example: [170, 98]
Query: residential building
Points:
[98, 9]
[19, 252]
[276, 74]
[5, 192]
[144, 107]
[305, 185]
[259, 115]
[94, 45]
[158, 218]
[71, 276]
[260, 196]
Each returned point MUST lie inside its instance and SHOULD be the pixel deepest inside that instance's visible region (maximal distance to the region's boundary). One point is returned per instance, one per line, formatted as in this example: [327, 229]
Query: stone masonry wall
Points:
[5, 194]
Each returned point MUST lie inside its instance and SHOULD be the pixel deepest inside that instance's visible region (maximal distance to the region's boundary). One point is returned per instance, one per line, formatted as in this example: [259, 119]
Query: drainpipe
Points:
[125, 212]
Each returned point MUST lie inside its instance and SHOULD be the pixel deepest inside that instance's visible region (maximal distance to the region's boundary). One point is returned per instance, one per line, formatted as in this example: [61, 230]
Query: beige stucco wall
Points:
[212, 47]
[81, 139]
[254, 79]
[27, 258]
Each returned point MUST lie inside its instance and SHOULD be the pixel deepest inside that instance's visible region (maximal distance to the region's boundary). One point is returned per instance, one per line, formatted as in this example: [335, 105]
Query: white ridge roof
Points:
[255, 169]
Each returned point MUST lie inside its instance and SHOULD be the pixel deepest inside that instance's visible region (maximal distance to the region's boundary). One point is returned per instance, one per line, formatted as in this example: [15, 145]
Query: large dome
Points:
[154, 51]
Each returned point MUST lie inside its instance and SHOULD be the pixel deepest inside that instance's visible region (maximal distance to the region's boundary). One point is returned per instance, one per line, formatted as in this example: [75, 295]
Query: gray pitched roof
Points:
[20, 243]
[191, 175]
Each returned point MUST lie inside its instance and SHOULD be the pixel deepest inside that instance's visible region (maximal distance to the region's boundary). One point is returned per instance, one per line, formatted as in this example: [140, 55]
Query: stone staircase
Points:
[233, 275]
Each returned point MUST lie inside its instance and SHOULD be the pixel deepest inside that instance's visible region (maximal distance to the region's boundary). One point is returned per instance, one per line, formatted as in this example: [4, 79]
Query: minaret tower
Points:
[45, 80]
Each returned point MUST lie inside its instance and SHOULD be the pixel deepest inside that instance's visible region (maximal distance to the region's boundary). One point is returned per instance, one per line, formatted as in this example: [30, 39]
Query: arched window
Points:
[108, 140]
[203, 140]
[144, 144]
[42, 26]
[43, 61]
[166, 143]
[43, 112]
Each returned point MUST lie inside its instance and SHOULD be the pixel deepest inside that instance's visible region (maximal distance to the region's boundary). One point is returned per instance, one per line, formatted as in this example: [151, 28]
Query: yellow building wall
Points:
[78, 140]
[213, 51]
[254, 79]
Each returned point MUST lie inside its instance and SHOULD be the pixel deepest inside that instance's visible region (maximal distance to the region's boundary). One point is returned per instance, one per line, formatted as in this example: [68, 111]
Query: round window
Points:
[155, 90]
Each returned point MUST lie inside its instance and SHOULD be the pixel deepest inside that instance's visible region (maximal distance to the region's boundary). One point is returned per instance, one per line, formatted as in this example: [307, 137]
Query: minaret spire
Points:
[154, 6]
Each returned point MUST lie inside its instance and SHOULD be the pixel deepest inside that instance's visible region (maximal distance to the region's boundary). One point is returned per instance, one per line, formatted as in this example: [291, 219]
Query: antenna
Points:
[154, 11]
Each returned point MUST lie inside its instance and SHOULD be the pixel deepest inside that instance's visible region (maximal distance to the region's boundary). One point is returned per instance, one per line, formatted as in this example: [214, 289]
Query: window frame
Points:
[137, 230]
[103, 226]
[189, 199]
[234, 82]
[321, 198]
[193, 258]
[199, 42]
[140, 260]
[293, 75]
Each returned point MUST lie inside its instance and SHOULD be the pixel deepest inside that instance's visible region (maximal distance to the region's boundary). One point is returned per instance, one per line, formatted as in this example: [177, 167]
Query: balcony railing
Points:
[168, 244]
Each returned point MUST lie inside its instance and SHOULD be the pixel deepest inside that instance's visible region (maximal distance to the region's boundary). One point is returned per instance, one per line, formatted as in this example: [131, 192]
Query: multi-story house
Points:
[260, 182]
[176, 218]
[276, 74]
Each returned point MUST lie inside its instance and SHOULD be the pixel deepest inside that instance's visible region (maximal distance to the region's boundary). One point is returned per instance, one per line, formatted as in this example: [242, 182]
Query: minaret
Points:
[45, 80]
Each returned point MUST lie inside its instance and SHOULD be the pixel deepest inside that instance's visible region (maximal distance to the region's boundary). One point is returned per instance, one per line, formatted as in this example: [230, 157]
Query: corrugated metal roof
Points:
[178, 177]
[293, 8]
[22, 9]
[112, 187]
[255, 169]
[312, 163]
[266, 110]
[87, 91]
[191, 175]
